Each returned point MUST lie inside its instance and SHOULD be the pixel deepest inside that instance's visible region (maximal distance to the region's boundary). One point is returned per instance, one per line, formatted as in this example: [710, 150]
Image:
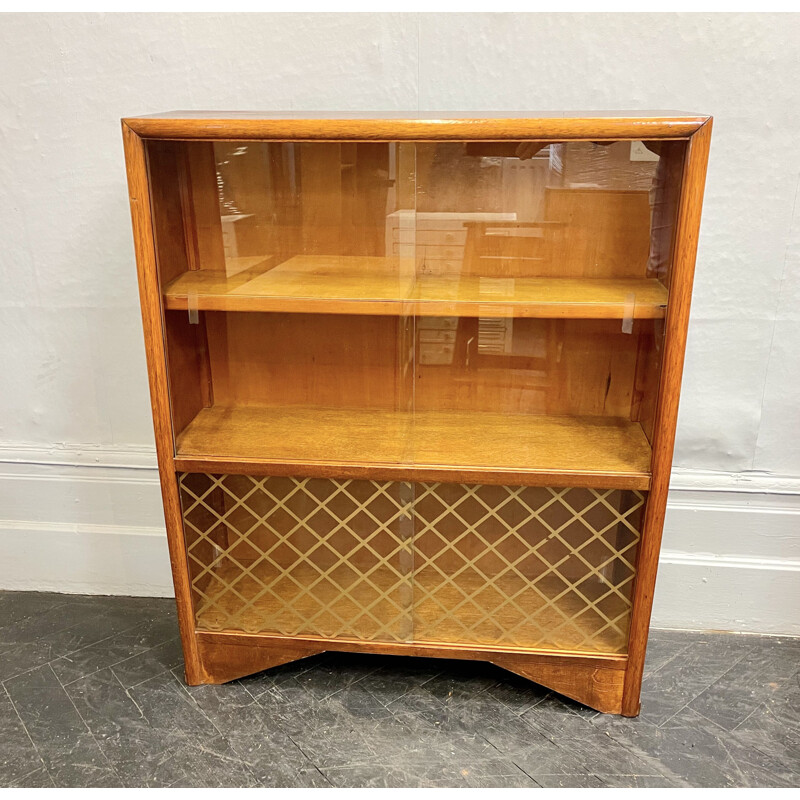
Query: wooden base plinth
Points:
[594, 681]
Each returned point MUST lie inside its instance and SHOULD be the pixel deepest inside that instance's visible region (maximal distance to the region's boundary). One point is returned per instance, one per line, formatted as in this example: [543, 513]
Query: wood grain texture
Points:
[578, 368]
[685, 251]
[605, 232]
[535, 610]
[222, 661]
[189, 376]
[309, 360]
[582, 368]
[454, 650]
[599, 687]
[534, 450]
[404, 472]
[373, 285]
[201, 207]
[593, 680]
[465, 444]
[405, 126]
[141, 217]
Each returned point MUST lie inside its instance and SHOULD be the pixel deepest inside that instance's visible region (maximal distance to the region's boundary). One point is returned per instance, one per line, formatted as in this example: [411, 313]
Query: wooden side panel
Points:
[202, 197]
[682, 273]
[189, 380]
[648, 372]
[165, 175]
[149, 293]
[248, 189]
[666, 197]
[185, 344]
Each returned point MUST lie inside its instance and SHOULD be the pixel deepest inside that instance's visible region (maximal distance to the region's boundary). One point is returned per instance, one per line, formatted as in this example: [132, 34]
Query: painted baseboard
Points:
[84, 559]
[82, 520]
[88, 520]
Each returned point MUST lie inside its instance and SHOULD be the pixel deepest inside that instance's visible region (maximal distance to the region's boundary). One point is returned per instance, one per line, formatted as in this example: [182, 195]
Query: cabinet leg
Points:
[223, 662]
[597, 683]
[598, 687]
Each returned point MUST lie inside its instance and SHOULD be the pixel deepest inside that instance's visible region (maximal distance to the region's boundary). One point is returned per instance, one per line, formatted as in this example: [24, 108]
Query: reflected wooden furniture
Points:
[415, 382]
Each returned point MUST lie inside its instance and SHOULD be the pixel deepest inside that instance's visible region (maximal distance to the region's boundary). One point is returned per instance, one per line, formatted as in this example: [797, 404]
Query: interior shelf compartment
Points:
[380, 286]
[536, 615]
[447, 445]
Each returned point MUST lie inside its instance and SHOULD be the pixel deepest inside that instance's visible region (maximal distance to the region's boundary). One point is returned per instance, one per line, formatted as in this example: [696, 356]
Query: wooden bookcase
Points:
[415, 382]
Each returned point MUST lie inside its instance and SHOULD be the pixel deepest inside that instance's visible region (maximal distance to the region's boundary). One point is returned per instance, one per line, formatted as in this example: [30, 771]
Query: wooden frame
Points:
[608, 682]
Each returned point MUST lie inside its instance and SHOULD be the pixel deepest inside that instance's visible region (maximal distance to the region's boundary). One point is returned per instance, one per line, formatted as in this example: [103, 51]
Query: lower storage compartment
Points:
[536, 568]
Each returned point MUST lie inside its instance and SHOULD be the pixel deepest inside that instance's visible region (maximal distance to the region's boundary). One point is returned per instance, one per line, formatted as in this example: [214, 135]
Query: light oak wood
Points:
[555, 451]
[585, 368]
[593, 680]
[201, 207]
[425, 620]
[321, 375]
[144, 244]
[309, 359]
[681, 275]
[288, 126]
[599, 687]
[371, 285]
[606, 232]
[224, 661]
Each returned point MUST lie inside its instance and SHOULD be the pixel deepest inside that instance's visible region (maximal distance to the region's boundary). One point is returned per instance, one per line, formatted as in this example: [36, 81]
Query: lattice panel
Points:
[299, 556]
[525, 566]
[386, 561]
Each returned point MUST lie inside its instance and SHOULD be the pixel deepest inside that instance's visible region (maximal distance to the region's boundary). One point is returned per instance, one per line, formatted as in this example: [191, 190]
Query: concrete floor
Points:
[92, 695]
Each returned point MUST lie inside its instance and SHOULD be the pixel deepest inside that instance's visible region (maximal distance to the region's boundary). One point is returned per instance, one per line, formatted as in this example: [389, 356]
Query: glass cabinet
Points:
[415, 382]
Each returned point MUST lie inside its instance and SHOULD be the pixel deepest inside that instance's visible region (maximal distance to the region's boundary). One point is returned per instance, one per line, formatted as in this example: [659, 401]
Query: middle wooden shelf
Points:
[457, 446]
[389, 286]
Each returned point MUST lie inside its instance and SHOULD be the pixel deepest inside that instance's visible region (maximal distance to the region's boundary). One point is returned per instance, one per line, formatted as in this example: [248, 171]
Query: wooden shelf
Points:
[596, 452]
[536, 616]
[386, 286]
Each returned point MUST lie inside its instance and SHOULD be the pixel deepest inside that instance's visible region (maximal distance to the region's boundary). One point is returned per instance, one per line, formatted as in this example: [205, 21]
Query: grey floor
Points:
[92, 696]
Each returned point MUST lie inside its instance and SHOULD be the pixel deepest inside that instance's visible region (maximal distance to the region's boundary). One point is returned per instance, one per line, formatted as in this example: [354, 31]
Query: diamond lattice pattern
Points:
[504, 566]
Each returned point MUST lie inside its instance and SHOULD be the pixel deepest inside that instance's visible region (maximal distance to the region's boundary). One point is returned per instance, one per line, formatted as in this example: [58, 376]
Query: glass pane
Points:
[299, 556]
[456, 308]
[288, 328]
[542, 273]
[289, 341]
[524, 566]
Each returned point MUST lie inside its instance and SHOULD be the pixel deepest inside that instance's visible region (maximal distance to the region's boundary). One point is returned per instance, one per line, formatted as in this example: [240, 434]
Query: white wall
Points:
[79, 503]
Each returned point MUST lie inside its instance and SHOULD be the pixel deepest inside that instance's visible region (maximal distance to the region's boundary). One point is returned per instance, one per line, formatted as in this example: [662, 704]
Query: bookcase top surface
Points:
[388, 125]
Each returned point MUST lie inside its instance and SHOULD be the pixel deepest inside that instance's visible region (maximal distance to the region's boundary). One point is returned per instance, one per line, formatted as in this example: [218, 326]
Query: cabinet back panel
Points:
[308, 359]
[491, 209]
[575, 367]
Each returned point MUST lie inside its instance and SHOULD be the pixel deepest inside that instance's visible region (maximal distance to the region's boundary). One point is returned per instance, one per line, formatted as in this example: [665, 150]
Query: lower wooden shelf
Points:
[426, 606]
[594, 452]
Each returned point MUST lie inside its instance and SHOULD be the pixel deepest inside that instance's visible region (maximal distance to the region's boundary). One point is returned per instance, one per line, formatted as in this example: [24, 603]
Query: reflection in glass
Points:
[478, 321]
